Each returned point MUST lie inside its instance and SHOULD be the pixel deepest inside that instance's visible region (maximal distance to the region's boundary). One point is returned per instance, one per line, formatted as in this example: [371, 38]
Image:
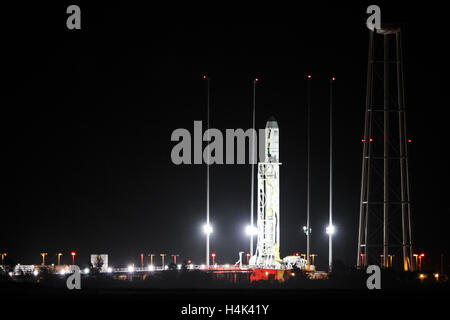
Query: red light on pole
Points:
[363, 140]
[213, 255]
[142, 260]
[370, 140]
[333, 78]
[256, 79]
[248, 256]
[309, 76]
[73, 254]
[420, 260]
[205, 77]
[409, 140]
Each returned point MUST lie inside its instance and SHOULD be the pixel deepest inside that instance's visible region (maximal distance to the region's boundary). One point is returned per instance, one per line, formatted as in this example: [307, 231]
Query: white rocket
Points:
[267, 253]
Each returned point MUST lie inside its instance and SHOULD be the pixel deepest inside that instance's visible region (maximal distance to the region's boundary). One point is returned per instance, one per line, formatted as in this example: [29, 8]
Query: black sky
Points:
[87, 117]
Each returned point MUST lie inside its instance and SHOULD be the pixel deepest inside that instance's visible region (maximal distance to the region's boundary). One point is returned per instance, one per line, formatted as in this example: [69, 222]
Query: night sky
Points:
[87, 117]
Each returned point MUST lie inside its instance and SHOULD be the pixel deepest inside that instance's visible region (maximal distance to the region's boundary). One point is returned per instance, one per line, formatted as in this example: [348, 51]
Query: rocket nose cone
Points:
[272, 123]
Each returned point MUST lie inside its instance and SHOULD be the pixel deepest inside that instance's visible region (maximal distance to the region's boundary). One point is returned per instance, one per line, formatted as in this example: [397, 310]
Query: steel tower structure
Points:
[385, 208]
[267, 253]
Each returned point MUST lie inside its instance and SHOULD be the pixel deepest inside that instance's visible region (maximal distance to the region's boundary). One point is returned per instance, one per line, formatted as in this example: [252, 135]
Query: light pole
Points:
[312, 256]
[151, 255]
[330, 227]
[73, 254]
[248, 256]
[416, 264]
[307, 228]
[142, 260]
[208, 228]
[213, 255]
[43, 257]
[162, 256]
[174, 256]
[422, 255]
[59, 254]
[330, 231]
[253, 160]
[4, 254]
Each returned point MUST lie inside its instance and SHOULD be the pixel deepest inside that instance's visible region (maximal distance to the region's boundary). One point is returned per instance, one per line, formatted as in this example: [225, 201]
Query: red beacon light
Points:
[213, 254]
[370, 140]
[409, 140]
[309, 76]
[256, 79]
[333, 78]
[422, 255]
[205, 76]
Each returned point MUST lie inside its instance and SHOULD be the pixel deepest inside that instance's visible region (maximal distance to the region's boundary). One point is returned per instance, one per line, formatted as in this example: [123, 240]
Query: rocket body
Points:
[268, 224]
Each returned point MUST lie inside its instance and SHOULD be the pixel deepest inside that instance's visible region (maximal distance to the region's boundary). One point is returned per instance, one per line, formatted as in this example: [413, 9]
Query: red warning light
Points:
[309, 76]
[256, 79]
[189, 261]
[333, 78]
[409, 140]
[73, 253]
[370, 140]
[422, 255]
[297, 254]
[363, 140]
[205, 76]
[213, 254]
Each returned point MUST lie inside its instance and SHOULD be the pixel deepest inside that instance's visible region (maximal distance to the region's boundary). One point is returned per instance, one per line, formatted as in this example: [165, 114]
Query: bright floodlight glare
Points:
[330, 230]
[207, 228]
[202, 266]
[109, 270]
[130, 269]
[166, 267]
[251, 230]
[35, 273]
[151, 267]
[179, 266]
[62, 272]
[86, 270]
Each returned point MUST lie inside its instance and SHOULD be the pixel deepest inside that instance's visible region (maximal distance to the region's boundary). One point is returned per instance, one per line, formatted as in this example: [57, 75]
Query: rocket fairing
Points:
[267, 253]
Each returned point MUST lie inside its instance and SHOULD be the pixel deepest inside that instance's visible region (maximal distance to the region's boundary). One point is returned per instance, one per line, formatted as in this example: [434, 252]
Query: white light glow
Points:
[131, 269]
[251, 230]
[109, 270]
[208, 229]
[202, 266]
[86, 270]
[62, 272]
[166, 267]
[179, 266]
[330, 230]
[35, 273]
[151, 267]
